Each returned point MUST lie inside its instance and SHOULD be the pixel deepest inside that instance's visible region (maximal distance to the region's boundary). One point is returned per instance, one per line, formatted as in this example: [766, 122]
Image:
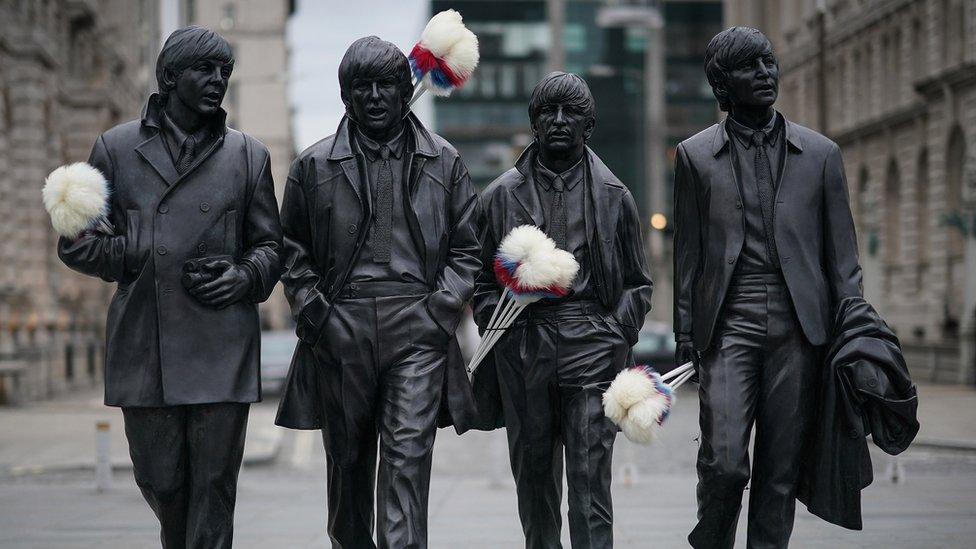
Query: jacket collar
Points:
[598, 170]
[720, 139]
[419, 140]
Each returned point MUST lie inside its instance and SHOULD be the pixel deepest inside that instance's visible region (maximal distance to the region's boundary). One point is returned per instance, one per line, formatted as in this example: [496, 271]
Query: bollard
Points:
[103, 463]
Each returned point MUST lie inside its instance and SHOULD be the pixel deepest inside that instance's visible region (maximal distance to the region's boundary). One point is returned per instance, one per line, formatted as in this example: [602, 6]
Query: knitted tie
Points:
[557, 230]
[187, 154]
[764, 185]
[384, 210]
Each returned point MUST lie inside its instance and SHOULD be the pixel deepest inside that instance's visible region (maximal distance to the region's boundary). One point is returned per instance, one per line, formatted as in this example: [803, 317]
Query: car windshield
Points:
[652, 342]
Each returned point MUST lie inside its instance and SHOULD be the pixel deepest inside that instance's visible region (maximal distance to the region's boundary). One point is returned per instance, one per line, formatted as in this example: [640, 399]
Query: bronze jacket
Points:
[623, 283]
[619, 265]
[164, 347]
[813, 229]
[325, 216]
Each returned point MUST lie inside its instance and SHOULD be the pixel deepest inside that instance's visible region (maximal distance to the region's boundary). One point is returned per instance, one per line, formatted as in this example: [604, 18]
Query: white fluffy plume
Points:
[446, 37]
[627, 389]
[642, 422]
[76, 198]
[463, 57]
[524, 241]
[635, 402]
[442, 32]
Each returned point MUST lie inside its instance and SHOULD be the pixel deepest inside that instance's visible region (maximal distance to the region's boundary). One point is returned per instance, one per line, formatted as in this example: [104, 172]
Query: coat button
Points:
[202, 247]
[163, 209]
[852, 433]
[738, 205]
[731, 260]
[352, 228]
[204, 207]
[161, 250]
[872, 383]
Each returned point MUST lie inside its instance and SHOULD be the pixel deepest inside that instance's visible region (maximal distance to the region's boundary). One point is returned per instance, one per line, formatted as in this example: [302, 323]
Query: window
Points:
[892, 213]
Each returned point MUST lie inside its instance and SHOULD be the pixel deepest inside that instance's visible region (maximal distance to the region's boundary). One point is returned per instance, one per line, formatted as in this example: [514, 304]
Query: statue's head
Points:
[562, 113]
[742, 69]
[195, 66]
[374, 80]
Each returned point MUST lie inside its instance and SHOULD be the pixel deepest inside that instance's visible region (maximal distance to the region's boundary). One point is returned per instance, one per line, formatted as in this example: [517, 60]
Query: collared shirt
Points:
[405, 263]
[175, 137]
[754, 258]
[547, 182]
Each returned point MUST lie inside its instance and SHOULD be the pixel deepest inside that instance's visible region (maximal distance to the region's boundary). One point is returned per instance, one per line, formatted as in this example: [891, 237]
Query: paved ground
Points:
[47, 496]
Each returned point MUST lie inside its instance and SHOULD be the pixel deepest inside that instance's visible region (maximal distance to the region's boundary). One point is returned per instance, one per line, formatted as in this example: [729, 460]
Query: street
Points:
[281, 498]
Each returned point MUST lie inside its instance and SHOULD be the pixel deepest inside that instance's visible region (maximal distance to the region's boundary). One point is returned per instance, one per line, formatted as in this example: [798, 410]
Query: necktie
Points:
[557, 229]
[384, 210]
[764, 185]
[187, 154]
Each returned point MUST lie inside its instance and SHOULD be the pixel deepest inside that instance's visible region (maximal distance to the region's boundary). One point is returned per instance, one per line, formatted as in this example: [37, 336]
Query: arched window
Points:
[892, 213]
[955, 165]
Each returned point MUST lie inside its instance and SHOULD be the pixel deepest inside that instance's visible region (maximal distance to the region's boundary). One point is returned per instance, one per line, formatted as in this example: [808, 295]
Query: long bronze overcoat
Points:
[163, 347]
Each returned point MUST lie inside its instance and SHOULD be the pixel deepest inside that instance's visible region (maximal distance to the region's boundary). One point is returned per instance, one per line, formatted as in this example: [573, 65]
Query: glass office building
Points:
[487, 120]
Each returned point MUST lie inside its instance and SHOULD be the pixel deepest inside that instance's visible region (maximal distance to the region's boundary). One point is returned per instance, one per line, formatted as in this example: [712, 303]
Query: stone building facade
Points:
[257, 100]
[69, 69]
[893, 82]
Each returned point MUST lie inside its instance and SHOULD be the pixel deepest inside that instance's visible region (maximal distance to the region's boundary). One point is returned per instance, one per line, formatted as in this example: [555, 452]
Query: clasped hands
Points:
[216, 282]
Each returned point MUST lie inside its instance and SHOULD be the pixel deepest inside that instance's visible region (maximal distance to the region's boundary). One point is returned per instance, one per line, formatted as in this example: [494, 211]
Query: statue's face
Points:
[202, 85]
[377, 104]
[561, 127]
[754, 82]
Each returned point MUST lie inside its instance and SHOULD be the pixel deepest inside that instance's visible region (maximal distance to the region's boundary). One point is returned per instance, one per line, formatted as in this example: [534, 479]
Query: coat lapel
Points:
[154, 152]
[525, 192]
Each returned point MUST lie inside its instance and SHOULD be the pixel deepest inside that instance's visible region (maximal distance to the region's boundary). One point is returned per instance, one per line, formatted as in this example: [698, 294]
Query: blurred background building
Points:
[642, 61]
[68, 71]
[893, 82]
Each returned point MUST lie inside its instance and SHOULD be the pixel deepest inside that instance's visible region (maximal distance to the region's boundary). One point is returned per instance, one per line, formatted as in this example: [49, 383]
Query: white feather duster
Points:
[445, 57]
[76, 198]
[628, 388]
[642, 424]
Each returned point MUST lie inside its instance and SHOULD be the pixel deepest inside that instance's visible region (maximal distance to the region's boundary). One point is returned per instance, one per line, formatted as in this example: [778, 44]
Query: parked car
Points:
[277, 348]
[655, 346]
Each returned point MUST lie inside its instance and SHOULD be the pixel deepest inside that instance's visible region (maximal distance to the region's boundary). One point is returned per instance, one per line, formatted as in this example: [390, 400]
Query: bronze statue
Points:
[549, 371]
[764, 251]
[381, 253]
[188, 194]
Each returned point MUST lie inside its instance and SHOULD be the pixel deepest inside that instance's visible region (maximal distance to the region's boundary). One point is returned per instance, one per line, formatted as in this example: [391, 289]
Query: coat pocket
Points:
[134, 256]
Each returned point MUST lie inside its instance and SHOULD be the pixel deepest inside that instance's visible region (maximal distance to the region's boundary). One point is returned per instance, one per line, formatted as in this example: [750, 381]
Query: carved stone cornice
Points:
[880, 124]
[953, 78]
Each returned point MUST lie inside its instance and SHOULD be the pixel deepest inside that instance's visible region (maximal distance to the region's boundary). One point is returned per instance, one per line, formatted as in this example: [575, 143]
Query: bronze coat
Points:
[620, 274]
[325, 215]
[163, 346]
[813, 229]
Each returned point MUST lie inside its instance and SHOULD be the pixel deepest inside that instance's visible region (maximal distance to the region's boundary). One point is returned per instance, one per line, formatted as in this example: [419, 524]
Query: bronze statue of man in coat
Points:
[380, 254]
[550, 369]
[764, 250]
[189, 196]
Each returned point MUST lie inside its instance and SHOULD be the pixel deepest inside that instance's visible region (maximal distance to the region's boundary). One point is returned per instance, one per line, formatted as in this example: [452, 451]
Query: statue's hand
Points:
[230, 287]
[685, 352]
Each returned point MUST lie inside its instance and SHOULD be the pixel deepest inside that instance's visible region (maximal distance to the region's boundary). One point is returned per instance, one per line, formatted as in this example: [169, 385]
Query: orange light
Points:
[659, 222]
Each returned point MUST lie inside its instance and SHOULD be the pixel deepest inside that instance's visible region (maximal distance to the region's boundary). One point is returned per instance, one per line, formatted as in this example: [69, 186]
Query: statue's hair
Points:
[562, 87]
[373, 57]
[185, 47]
[728, 49]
